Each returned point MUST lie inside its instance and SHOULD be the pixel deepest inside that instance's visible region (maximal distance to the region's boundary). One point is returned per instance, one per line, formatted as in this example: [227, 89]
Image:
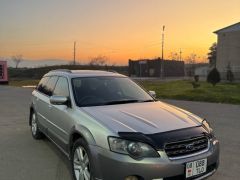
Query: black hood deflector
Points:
[158, 140]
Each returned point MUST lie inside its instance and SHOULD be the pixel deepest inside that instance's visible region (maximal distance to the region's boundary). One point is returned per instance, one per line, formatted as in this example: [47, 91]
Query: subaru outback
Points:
[111, 128]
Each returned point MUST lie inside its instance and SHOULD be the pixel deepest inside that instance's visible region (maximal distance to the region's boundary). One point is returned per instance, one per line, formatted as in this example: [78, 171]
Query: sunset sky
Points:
[117, 29]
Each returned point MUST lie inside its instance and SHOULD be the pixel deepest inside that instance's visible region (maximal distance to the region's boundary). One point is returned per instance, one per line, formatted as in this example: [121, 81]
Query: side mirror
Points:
[153, 94]
[58, 100]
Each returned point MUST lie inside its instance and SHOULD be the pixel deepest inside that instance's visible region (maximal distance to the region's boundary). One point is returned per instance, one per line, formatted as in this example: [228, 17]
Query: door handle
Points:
[49, 106]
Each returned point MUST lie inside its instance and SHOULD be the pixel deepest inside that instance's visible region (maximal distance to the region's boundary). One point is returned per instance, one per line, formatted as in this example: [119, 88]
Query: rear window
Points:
[47, 84]
[51, 85]
[42, 84]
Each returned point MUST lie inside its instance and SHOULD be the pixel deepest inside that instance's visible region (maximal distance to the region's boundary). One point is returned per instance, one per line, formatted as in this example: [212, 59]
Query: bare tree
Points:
[191, 64]
[98, 61]
[191, 59]
[174, 56]
[17, 59]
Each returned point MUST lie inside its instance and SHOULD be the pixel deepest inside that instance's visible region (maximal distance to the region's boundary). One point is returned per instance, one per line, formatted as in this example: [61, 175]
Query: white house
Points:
[202, 71]
[228, 50]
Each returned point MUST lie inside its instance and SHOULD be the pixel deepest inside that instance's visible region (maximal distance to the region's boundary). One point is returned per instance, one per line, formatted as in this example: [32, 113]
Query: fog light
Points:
[131, 178]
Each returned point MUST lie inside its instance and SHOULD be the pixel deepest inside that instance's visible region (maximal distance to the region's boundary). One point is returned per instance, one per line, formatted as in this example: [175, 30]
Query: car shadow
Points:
[63, 171]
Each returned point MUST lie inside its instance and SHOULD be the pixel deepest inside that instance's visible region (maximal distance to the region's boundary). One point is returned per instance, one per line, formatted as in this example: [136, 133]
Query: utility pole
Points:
[162, 64]
[74, 53]
[180, 56]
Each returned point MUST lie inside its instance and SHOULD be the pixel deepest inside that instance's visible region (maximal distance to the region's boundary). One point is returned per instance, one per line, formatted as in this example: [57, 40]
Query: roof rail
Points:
[62, 70]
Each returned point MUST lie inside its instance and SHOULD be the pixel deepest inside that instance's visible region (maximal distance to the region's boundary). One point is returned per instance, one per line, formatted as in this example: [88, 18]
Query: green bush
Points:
[213, 77]
[230, 76]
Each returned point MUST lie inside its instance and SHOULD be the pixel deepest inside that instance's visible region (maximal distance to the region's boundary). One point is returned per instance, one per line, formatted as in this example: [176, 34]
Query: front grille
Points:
[186, 147]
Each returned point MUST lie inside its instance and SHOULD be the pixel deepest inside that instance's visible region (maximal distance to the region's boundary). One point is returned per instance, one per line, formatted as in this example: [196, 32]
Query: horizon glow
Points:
[117, 29]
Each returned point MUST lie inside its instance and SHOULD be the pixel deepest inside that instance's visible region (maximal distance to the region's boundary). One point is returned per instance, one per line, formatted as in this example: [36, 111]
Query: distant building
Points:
[202, 71]
[3, 72]
[152, 68]
[228, 50]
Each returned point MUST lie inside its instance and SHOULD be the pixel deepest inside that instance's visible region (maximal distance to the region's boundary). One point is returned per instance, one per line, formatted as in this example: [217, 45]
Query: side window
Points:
[42, 84]
[50, 85]
[61, 88]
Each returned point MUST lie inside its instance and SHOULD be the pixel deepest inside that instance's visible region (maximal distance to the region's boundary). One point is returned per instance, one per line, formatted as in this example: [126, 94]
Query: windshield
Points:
[97, 91]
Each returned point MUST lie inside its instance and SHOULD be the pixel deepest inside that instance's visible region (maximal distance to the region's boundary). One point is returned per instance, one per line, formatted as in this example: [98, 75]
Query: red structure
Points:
[3, 72]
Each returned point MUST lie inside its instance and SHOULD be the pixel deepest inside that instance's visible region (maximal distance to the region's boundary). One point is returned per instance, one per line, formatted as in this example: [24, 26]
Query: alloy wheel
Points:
[81, 164]
[34, 124]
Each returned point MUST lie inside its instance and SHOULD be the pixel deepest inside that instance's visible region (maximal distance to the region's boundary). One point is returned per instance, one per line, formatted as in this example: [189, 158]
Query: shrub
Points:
[196, 78]
[213, 77]
[230, 76]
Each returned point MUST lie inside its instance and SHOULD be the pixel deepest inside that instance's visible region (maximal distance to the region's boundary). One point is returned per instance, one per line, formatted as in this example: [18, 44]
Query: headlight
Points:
[207, 127]
[136, 150]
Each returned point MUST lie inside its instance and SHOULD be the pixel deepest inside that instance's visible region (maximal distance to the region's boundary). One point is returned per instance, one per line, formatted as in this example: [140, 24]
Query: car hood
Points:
[147, 118]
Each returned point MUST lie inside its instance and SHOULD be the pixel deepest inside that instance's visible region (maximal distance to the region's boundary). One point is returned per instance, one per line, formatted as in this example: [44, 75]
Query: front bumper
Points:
[112, 166]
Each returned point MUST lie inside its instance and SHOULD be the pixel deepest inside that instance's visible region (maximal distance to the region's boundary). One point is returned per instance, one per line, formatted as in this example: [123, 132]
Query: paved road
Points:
[22, 158]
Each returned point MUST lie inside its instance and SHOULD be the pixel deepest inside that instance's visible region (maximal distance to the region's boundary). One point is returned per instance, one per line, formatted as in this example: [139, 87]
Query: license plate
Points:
[195, 168]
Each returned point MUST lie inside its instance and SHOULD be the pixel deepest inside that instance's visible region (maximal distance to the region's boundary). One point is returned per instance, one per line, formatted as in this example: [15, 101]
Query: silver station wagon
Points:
[112, 129]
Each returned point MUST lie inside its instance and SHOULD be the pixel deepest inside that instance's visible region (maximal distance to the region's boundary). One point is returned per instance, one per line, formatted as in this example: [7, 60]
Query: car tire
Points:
[81, 161]
[36, 133]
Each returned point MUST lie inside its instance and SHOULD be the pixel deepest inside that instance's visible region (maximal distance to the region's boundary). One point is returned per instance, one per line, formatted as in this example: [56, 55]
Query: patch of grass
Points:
[183, 90]
[20, 83]
[180, 90]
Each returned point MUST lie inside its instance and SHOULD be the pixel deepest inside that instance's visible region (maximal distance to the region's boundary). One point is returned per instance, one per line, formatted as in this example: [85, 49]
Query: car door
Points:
[60, 114]
[40, 102]
[43, 103]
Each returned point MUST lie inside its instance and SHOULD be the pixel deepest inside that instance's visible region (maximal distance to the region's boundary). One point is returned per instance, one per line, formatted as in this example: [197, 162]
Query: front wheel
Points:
[36, 133]
[80, 160]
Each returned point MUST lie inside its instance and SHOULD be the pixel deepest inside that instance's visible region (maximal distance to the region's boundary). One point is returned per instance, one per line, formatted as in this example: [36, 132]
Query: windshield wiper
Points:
[122, 102]
[149, 100]
[117, 102]
[127, 101]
